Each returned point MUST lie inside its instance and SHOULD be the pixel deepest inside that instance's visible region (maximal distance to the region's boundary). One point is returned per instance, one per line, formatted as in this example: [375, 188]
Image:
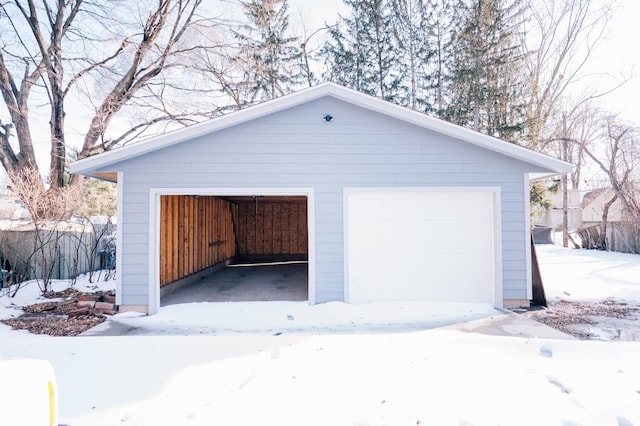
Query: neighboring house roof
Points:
[593, 207]
[89, 166]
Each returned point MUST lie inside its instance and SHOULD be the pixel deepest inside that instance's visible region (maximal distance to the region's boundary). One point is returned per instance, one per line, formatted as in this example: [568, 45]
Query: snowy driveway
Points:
[443, 376]
[271, 318]
[489, 369]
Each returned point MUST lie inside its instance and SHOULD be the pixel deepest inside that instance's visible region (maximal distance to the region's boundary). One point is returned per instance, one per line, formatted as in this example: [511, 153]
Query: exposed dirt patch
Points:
[52, 318]
[609, 319]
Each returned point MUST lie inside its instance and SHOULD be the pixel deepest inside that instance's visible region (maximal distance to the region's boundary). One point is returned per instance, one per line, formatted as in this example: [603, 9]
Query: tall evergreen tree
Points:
[362, 52]
[345, 54]
[485, 87]
[268, 56]
[441, 18]
[411, 33]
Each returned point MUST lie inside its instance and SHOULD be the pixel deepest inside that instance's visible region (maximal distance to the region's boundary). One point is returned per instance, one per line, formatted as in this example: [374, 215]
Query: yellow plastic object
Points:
[28, 392]
[52, 404]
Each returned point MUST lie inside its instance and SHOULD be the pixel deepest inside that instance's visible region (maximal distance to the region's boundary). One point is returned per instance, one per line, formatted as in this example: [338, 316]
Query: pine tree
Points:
[485, 87]
[269, 57]
[362, 52]
[423, 31]
[441, 18]
[345, 54]
[412, 35]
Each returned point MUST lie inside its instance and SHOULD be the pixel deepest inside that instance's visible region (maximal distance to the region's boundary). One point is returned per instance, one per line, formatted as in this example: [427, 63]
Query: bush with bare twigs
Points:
[59, 239]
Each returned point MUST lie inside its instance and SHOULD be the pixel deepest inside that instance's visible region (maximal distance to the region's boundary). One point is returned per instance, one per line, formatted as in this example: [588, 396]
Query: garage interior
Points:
[233, 248]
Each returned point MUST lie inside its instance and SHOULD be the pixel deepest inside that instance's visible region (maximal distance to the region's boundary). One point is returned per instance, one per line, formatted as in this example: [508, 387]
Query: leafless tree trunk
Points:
[53, 48]
[602, 238]
[620, 141]
[168, 20]
[307, 50]
[565, 33]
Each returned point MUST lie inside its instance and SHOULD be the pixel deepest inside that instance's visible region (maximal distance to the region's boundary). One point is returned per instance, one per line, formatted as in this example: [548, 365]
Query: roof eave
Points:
[545, 175]
[554, 165]
[87, 166]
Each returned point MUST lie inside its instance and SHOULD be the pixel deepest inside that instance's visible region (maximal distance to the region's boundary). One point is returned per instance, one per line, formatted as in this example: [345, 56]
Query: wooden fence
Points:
[621, 237]
[61, 252]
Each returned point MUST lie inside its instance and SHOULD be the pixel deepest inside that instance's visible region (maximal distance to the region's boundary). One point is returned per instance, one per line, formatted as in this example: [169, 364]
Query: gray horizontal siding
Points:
[137, 237]
[511, 236]
[514, 294]
[294, 148]
[330, 253]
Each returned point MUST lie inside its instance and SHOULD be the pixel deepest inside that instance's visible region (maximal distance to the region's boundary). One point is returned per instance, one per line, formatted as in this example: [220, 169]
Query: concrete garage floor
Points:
[246, 283]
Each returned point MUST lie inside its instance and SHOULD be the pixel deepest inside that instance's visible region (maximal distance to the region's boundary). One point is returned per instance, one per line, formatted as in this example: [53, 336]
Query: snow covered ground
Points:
[353, 368]
[602, 288]
[583, 275]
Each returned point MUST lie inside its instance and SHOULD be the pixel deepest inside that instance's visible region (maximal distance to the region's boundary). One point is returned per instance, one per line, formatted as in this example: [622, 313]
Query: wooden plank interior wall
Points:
[195, 233]
[272, 228]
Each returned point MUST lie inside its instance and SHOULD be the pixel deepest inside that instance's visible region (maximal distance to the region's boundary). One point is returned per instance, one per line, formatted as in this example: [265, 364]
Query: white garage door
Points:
[420, 245]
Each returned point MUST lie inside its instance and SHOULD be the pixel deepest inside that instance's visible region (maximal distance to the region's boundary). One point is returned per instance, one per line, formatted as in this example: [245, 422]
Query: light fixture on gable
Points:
[327, 118]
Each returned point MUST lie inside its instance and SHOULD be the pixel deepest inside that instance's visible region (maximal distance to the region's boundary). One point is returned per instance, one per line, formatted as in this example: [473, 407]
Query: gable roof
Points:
[88, 166]
[593, 207]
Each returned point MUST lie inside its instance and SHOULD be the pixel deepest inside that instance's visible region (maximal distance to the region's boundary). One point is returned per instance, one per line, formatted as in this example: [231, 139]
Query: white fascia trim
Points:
[540, 176]
[154, 253]
[498, 296]
[119, 214]
[180, 135]
[450, 129]
[527, 237]
[154, 229]
[354, 97]
[498, 288]
[231, 191]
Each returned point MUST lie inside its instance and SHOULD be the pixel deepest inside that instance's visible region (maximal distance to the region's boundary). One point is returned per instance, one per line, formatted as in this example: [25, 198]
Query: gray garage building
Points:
[384, 202]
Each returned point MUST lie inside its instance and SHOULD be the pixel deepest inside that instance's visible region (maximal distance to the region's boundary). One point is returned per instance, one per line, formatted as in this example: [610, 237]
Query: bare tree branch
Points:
[566, 34]
[622, 154]
[45, 43]
[139, 73]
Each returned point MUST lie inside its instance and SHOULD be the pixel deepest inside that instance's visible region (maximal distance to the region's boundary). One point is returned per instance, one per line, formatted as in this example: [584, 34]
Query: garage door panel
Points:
[444, 235]
[420, 246]
[445, 232]
[411, 205]
[429, 286]
[469, 265]
[467, 234]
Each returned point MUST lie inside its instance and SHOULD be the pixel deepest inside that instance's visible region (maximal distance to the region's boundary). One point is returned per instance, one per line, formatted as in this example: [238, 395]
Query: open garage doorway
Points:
[224, 247]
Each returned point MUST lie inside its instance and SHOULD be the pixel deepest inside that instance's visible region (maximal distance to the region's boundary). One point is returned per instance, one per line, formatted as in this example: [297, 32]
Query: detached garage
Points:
[384, 203]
